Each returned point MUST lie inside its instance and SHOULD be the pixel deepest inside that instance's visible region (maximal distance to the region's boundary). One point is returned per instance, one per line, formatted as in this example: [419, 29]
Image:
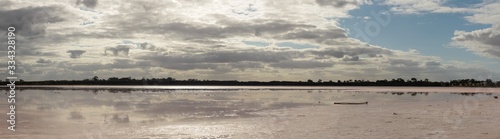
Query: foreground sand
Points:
[293, 114]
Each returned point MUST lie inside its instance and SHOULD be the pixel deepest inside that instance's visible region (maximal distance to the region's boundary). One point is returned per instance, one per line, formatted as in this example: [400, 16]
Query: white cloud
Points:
[485, 42]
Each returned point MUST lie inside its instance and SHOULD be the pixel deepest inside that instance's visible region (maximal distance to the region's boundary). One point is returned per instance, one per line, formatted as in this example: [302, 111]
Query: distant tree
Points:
[320, 81]
[112, 78]
[381, 81]
[192, 80]
[401, 80]
[413, 79]
[489, 82]
[169, 79]
[426, 80]
[125, 78]
[95, 78]
[310, 81]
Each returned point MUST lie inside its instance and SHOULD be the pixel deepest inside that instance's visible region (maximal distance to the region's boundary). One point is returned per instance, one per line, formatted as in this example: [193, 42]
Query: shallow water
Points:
[196, 112]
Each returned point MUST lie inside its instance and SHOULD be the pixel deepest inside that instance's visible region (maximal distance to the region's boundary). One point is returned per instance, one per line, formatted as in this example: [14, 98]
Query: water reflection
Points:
[427, 93]
[78, 108]
[72, 109]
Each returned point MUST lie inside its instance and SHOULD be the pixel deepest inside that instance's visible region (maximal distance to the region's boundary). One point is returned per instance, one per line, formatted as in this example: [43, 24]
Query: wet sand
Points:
[263, 113]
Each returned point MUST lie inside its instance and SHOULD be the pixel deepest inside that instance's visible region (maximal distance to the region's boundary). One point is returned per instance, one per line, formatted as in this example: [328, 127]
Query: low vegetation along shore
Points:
[172, 81]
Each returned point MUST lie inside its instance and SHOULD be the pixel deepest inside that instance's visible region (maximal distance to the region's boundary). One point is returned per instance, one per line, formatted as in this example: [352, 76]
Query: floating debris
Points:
[350, 103]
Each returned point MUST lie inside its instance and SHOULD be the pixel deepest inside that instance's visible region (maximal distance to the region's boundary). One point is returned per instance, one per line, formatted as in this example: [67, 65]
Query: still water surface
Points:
[188, 111]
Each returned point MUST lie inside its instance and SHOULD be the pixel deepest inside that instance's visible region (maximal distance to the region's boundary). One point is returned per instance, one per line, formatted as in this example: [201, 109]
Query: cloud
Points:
[43, 61]
[350, 58]
[87, 3]
[433, 64]
[115, 64]
[183, 39]
[336, 3]
[484, 42]
[256, 55]
[340, 52]
[403, 62]
[76, 53]
[241, 59]
[30, 21]
[119, 49]
[487, 13]
[301, 64]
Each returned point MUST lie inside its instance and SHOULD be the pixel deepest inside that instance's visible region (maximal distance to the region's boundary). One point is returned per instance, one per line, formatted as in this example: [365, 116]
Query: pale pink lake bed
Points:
[219, 112]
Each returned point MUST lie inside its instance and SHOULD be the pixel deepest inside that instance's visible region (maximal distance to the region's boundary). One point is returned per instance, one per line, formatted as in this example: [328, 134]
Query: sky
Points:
[254, 40]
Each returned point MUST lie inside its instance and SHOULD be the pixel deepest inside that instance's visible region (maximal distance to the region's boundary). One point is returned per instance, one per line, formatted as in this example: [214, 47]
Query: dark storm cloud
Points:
[87, 3]
[76, 53]
[336, 3]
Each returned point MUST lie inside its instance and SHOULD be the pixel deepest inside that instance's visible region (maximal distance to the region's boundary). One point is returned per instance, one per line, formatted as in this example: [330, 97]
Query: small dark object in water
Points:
[394, 113]
[319, 102]
[496, 97]
[351, 103]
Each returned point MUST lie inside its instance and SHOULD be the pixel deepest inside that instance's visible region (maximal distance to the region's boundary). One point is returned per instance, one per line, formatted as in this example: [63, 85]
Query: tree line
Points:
[172, 81]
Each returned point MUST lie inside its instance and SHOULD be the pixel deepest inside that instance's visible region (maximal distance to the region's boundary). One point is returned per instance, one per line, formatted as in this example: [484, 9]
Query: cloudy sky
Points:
[254, 39]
